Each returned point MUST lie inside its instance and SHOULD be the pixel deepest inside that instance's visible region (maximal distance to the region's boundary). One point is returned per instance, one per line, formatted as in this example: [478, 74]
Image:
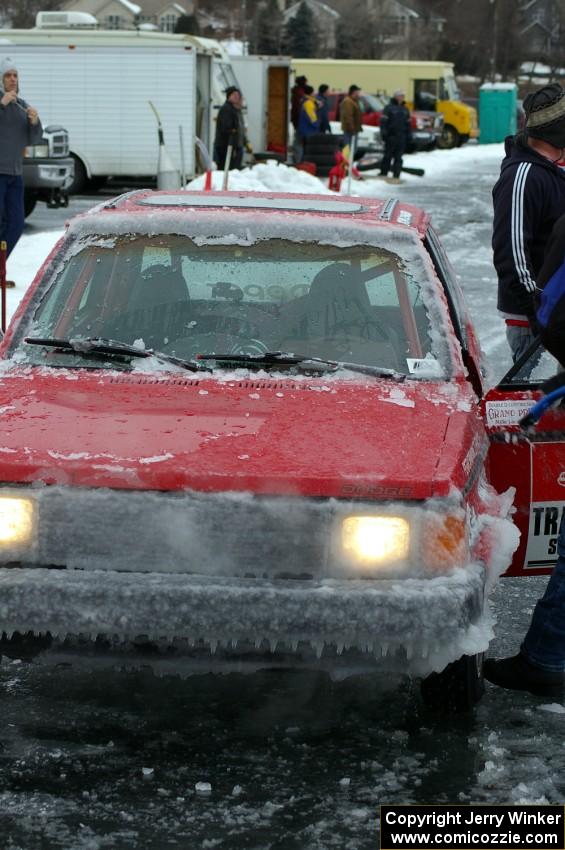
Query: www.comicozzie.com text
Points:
[501, 824]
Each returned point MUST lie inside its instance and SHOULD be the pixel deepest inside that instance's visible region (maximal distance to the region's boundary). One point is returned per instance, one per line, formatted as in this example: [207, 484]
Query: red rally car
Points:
[249, 430]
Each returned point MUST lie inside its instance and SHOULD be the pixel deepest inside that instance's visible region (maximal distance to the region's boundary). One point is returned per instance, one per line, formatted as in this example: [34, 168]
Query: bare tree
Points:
[21, 13]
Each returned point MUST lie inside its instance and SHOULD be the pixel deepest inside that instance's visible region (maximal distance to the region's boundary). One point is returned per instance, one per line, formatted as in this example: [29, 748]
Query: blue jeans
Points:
[11, 209]
[348, 139]
[544, 644]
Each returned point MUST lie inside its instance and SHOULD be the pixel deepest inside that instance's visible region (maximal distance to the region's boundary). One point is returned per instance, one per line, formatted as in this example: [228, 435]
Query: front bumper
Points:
[409, 625]
[423, 140]
[48, 174]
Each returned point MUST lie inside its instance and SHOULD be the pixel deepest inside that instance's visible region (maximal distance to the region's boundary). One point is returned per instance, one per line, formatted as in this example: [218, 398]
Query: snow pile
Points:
[24, 263]
[270, 176]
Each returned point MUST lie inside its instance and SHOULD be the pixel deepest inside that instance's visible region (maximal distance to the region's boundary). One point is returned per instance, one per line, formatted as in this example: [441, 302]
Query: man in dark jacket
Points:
[323, 108]
[230, 131]
[528, 198]
[296, 95]
[396, 134]
[19, 127]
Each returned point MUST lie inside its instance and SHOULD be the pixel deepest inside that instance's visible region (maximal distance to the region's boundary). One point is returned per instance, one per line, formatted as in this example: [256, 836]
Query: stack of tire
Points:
[321, 149]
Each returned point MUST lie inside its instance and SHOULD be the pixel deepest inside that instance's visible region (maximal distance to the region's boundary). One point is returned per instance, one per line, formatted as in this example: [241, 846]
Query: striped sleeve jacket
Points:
[528, 198]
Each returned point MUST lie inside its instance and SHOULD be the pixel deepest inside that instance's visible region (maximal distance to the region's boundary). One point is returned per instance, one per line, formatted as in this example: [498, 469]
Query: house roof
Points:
[316, 6]
[146, 7]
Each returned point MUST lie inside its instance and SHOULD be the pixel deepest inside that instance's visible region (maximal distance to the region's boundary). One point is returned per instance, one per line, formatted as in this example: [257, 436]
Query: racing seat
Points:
[158, 284]
[339, 316]
[157, 310]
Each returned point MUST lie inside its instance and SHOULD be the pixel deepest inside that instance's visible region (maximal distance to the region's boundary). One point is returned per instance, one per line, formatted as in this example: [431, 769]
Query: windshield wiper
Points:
[283, 358]
[96, 347]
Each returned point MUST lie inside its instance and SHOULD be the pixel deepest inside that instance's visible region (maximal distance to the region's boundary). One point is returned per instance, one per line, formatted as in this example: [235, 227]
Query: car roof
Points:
[376, 211]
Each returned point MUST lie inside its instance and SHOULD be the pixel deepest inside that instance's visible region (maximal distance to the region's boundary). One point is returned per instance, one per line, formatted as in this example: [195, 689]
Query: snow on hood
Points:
[316, 437]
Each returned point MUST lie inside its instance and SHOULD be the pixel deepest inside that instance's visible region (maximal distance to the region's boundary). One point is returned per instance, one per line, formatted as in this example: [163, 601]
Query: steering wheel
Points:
[362, 331]
[208, 326]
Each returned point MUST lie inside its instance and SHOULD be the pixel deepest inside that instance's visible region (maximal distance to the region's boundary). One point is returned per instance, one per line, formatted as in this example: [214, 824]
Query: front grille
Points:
[215, 534]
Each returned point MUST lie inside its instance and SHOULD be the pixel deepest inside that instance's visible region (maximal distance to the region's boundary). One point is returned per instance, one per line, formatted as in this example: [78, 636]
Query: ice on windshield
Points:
[188, 297]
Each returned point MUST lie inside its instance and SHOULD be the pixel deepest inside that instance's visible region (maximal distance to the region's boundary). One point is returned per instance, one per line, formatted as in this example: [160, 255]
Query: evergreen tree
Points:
[187, 24]
[266, 29]
[301, 35]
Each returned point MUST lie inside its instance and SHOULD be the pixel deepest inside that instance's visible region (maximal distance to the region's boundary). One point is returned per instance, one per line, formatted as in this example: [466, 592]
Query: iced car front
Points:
[246, 435]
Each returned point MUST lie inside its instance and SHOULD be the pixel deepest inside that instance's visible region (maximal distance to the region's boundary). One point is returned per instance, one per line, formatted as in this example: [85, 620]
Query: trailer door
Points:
[533, 463]
[277, 108]
[204, 117]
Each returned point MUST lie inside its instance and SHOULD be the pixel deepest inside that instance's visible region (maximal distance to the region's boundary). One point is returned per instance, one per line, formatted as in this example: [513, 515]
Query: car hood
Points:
[359, 438]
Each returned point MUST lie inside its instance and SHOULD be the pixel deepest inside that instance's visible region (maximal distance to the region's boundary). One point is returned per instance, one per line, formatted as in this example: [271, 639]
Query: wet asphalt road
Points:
[92, 760]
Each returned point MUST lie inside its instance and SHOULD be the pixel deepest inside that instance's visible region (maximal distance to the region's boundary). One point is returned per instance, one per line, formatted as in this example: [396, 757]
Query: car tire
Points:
[449, 137]
[29, 203]
[95, 184]
[320, 150]
[463, 139]
[457, 688]
[80, 178]
[322, 140]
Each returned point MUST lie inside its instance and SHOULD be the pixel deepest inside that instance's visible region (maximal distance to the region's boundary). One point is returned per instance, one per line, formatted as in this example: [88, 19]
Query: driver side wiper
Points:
[97, 346]
[283, 358]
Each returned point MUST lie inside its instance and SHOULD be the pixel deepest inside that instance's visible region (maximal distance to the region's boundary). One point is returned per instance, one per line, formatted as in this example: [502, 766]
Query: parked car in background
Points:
[428, 86]
[426, 125]
[48, 170]
[214, 407]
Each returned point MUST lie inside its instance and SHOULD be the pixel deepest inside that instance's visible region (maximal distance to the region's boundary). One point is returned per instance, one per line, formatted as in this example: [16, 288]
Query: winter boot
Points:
[10, 284]
[519, 674]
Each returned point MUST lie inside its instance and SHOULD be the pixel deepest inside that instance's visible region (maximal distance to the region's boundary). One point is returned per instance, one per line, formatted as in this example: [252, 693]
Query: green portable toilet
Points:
[497, 111]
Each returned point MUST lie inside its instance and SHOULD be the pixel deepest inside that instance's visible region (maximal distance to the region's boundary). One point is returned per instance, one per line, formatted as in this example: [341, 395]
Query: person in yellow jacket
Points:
[350, 115]
[308, 120]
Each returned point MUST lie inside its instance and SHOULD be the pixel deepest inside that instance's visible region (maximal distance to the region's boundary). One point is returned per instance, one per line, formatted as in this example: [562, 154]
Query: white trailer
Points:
[265, 85]
[101, 96]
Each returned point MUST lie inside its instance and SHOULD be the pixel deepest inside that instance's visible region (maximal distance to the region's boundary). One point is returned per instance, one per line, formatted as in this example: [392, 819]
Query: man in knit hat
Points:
[528, 198]
[19, 127]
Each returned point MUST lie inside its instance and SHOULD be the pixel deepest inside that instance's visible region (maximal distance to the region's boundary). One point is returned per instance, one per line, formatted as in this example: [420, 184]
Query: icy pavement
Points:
[120, 760]
[280, 761]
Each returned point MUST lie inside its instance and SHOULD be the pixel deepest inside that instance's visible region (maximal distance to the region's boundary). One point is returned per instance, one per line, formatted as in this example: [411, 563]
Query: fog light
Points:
[16, 520]
[372, 540]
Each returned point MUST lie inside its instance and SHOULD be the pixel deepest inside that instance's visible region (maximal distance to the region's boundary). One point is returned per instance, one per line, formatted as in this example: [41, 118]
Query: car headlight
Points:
[17, 521]
[404, 542]
[373, 540]
[36, 151]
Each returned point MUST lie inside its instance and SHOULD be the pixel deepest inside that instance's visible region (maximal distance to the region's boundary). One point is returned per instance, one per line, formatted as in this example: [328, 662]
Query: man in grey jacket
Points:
[19, 126]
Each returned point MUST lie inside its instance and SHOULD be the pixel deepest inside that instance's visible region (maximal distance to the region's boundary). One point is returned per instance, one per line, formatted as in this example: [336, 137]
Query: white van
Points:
[98, 84]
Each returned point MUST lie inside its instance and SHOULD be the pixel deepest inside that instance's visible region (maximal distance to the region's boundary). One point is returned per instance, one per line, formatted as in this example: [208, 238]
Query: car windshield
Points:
[353, 304]
[373, 103]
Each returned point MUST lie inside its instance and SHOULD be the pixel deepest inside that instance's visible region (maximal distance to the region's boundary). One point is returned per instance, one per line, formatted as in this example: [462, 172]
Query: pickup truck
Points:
[48, 170]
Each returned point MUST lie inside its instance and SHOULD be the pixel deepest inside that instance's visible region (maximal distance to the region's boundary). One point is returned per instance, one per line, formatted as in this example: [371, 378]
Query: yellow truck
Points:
[428, 85]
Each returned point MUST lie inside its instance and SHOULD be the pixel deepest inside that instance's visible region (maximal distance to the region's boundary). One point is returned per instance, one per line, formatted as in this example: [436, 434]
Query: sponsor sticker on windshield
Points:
[427, 367]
